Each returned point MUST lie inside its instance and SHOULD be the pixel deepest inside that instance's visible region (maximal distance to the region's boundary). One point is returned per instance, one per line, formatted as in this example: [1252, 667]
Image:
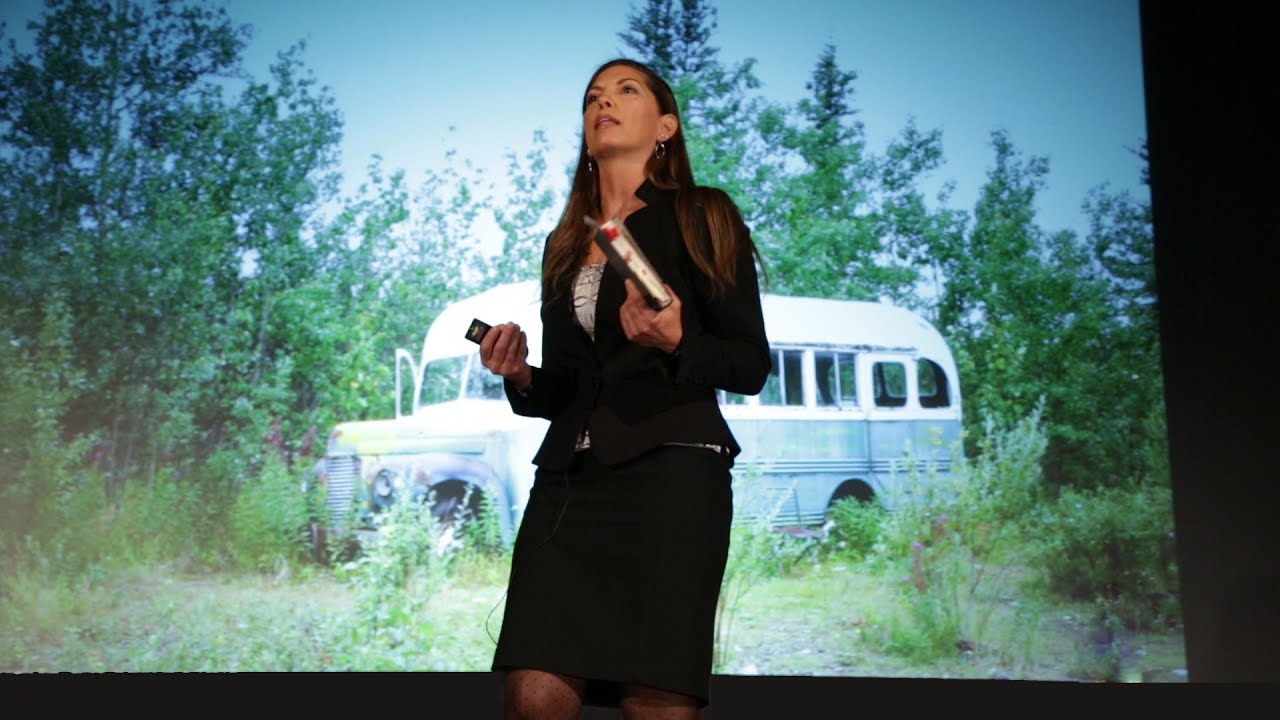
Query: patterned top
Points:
[586, 287]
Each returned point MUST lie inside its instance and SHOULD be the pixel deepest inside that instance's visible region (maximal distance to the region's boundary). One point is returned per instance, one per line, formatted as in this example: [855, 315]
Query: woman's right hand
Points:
[504, 350]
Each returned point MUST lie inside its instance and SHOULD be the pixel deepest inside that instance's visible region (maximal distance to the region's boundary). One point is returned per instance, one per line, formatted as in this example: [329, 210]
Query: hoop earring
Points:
[660, 151]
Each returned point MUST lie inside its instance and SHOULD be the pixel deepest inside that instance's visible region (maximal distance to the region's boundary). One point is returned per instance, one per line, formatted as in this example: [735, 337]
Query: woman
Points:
[618, 562]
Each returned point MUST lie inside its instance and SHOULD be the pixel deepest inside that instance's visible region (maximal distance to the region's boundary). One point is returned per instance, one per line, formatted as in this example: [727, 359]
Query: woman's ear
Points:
[667, 126]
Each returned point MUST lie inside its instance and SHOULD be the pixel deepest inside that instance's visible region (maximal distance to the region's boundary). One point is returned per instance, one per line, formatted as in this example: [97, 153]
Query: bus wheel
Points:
[855, 489]
[449, 510]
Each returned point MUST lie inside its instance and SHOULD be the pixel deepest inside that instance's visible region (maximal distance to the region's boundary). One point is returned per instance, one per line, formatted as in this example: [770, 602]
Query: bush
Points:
[856, 527]
[482, 554]
[951, 541]
[1113, 546]
[269, 519]
[46, 494]
[165, 520]
[400, 570]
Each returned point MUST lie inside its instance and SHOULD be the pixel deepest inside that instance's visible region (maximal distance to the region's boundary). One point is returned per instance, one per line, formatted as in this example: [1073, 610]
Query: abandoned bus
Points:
[856, 389]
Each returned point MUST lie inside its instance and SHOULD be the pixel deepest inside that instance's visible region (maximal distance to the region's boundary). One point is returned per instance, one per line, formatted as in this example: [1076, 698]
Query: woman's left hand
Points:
[645, 326]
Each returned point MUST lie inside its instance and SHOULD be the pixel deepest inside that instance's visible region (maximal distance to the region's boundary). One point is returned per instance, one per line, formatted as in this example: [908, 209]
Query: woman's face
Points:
[622, 115]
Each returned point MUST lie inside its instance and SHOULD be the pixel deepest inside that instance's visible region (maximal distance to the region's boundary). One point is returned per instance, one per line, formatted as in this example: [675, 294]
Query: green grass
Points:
[160, 620]
[831, 620]
[823, 619]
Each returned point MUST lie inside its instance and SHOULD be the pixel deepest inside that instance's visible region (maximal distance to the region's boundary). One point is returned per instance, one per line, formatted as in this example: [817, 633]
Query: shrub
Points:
[269, 519]
[46, 494]
[856, 526]
[482, 557]
[951, 541]
[395, 577]
[168, 519]
[1113, 546]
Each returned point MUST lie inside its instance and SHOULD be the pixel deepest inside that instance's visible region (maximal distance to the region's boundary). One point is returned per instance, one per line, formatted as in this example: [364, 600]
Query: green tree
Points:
[717, 102]
[995, 300]
[913, 233]
[171, 220]
[524, 216]
[433, 258]
[840, 220]
[817, 235]
[828, 113]
[673, 38]
[417, 250]
[38, 466]
[101, 210]
[1038, 315]
[1131, 394]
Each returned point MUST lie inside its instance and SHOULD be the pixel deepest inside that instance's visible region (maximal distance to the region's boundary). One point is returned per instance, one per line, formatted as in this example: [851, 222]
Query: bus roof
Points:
[794, 321]
[850, 323]
[514, 302]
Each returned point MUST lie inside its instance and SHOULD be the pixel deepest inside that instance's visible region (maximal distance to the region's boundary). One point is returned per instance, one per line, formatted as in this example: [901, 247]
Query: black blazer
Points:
[633, 398]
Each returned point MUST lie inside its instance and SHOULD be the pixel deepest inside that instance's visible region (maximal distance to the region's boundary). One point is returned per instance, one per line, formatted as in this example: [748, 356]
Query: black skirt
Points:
[616, 572]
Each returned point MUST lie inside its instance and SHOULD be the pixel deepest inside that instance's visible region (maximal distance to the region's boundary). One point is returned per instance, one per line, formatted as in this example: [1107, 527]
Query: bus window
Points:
[890, 381]
[481, 383]
[933, 384]
[785, 384]
[834, 372]
[442, 380]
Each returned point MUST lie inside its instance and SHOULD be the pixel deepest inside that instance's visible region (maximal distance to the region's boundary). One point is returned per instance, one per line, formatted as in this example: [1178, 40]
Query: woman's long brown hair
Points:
[713, 228]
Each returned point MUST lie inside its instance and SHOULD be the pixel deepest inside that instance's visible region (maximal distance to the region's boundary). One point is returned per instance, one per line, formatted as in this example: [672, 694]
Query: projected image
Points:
[245, 427]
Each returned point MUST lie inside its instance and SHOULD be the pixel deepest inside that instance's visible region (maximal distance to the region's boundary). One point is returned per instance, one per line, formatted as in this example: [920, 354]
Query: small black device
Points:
[478, 330]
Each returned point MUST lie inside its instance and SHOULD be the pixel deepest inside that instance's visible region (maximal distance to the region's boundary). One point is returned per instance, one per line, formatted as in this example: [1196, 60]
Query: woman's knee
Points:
[641, 702]
[540, 694]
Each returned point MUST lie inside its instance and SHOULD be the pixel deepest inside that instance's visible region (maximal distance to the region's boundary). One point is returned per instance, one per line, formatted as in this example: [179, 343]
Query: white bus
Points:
[856, 388]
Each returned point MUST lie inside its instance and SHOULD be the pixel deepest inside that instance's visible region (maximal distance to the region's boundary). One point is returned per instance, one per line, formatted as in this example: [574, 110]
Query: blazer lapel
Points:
[611, 296]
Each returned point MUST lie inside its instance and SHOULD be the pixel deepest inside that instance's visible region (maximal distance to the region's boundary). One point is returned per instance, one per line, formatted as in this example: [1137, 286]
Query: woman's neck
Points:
[618, 183]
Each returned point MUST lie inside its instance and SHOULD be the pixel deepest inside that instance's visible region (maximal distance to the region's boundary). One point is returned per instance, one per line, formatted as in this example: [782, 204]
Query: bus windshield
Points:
[455, 378]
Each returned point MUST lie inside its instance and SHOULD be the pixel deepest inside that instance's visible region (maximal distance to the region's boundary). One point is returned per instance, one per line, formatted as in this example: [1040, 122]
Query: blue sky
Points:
[1062, 77]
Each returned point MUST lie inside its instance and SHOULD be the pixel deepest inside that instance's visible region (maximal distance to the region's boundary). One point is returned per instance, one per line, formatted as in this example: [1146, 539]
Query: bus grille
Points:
[342, 473]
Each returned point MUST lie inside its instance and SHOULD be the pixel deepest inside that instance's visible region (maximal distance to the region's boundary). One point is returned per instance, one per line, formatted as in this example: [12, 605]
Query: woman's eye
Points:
[628, 89]
[591, 98]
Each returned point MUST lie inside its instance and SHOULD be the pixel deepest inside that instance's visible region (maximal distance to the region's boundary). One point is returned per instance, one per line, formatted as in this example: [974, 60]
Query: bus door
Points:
[890, 430]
